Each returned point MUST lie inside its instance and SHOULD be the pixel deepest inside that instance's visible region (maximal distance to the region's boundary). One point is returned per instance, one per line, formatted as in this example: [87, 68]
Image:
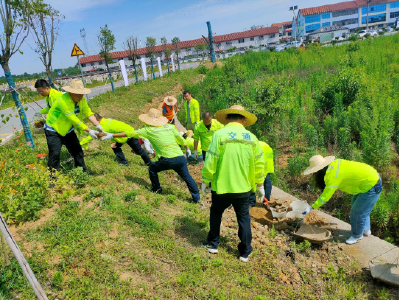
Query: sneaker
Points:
[353, 240]
[210, 248]
[245, 258]
[367, 233]
[155, 191]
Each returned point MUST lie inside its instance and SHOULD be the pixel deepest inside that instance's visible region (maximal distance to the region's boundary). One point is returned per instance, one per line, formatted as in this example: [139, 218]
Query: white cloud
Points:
[74, 9]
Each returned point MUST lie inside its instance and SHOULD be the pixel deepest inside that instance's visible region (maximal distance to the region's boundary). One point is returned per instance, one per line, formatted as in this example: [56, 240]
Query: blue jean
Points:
[240, 204]
[361, 207]
[179, 165]
[267, 189]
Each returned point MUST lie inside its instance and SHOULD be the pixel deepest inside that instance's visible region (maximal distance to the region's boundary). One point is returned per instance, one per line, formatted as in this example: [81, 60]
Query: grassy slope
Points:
[115, 240]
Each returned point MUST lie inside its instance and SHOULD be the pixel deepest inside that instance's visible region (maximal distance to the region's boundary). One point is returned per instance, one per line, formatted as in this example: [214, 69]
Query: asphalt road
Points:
[15, 124]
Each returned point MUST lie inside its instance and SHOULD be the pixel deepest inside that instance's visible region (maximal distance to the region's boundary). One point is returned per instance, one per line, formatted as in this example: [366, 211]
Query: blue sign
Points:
[59, 72]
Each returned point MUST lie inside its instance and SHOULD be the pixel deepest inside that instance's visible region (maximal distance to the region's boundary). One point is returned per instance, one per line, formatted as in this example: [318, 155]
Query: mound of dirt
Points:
[100, 134]
[39, 124]
[313, 219]
[209, 65]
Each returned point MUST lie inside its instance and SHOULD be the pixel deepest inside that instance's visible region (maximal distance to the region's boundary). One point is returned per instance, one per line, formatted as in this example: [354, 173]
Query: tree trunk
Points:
[168, 65]
[48, 71]
[21, 111]
[177, 59]
[152, 69]
[134, 66]
[111, 80]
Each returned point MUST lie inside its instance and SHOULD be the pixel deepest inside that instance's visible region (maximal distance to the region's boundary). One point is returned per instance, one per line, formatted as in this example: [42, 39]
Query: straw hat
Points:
[153, 118]
[317, 162]
[169, 100]
[235, 109]
[76, 87]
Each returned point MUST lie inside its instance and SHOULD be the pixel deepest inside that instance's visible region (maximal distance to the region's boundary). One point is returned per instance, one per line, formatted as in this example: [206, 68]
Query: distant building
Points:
[351, 14]
[256, 27]
[285, 29]
[222, 43]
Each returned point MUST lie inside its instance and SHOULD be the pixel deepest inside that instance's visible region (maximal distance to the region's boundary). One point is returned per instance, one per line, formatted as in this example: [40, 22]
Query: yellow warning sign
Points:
[76, 51]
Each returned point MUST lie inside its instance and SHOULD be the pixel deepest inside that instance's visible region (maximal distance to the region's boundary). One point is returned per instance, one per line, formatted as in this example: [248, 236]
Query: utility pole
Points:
[293, 9]
[368, 1]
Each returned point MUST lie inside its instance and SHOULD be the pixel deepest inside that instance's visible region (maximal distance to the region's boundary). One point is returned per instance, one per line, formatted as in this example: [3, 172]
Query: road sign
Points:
[59, 72]
[76, 51]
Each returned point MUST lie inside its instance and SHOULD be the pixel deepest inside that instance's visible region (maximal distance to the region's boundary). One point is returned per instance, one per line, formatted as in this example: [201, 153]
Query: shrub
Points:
[353, 37]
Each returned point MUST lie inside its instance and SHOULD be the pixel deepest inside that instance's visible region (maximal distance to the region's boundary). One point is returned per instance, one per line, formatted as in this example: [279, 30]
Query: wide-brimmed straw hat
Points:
[235, 109]
[76, 87]
[153, 118]
[170, 100]
[317, 162]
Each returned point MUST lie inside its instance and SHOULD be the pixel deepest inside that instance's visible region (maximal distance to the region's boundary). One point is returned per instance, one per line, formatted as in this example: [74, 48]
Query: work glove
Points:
[188, 153]
[195, 154]
[92, 134]
[108, 136]
[204, 188]
[99, 128]
[260, 192]
[307, 211]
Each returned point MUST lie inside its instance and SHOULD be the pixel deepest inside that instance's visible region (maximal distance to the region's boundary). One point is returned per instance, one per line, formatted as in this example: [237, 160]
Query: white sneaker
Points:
[245, 258]
[367, 233]
[353, 240]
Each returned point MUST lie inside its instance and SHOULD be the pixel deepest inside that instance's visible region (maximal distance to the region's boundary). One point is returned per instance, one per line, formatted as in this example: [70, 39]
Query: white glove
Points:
[260, 192]
[307, 211]
[188, 152]
[100, 128]
[195, 154]
[92, 133]
[204, 188]
[108, 136]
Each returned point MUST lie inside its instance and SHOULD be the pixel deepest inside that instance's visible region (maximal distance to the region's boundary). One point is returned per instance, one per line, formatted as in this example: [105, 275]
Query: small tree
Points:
[197, 49]
[14, 17]
[187, 50]
[131, 45]
[175, 42]
[203, 49]
[45, 27]
[167, 50]
[150, 48]
[107, 44]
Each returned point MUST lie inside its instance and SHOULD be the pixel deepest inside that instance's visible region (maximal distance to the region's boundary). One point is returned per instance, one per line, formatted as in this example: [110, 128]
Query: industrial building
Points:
[224, 45]
[349, 14]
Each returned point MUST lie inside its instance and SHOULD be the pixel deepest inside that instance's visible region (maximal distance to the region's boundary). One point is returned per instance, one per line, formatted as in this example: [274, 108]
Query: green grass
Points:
[107, 237]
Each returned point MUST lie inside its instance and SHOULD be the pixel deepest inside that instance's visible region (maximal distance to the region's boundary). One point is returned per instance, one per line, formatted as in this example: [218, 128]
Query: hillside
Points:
[105, 236]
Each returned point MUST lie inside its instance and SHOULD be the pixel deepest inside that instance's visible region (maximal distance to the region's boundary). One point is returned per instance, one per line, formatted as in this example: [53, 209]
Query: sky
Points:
[156, 18]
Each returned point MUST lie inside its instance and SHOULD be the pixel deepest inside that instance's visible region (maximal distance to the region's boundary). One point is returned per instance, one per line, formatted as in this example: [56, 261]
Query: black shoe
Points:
[125, 165]
[159, 191]
[210, 248]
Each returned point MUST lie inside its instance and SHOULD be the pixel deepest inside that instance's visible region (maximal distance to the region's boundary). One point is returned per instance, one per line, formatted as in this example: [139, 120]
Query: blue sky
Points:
[184, 19]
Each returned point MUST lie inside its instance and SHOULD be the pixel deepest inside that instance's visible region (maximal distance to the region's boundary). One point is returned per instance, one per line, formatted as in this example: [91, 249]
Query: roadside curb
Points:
[7, 139]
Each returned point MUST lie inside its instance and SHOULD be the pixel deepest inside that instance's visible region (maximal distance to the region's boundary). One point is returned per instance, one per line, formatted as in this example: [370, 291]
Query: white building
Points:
[224, 45]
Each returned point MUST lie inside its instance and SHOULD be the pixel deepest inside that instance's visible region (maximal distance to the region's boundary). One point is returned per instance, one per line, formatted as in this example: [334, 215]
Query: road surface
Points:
[15, 124]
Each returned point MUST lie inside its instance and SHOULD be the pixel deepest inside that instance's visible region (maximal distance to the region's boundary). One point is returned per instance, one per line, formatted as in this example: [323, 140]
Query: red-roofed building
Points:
[241, 40]
[284, 27]
[351, 14]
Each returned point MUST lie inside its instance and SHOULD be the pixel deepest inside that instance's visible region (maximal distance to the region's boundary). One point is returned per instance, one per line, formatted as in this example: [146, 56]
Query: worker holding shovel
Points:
[114, 126]
[203, 132]
[164, 138]
[358, 179]
[170, 108]
[235, 168]
[65, 115]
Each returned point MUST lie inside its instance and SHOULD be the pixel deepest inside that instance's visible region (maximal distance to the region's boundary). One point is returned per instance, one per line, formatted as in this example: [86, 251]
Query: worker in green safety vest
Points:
[192, 110]
[114, 126]
[203, 132]
[358, 179]
[165, 140]
[235, 167]
[268, 170]
[44, 89]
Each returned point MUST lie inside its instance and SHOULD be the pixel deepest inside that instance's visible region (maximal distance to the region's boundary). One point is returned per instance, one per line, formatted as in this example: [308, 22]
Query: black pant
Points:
[204, 154]
[55, 142]
[240, 203]
[136, 147]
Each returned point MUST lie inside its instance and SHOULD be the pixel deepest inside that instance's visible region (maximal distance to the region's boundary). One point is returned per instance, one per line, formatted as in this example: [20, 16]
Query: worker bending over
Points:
[204, 132]
[358, 179]
[114, 126]
[234, 165]
[44, 89]
[170, 108]
[165, 139]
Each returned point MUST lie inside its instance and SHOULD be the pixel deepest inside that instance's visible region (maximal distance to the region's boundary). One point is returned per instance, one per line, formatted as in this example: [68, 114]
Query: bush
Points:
[353, 37]
[272, 49]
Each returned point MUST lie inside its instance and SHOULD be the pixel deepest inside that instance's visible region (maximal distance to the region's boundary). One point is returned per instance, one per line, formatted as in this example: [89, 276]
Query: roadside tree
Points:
[175, 43]
[131, 45]
[167, 50]
[150, 47]
[107, 43]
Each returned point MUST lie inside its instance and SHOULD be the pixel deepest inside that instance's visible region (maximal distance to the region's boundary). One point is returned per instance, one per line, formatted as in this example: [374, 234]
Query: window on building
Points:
[326, 24]
[241, 41]
[261, 37]
[129, 58]
[272, 35]
[83, 65]
[345, 12]
[374, 19]
[313, 27]
[312, 19]
[229, 43]
[101, 62]
[345, 22]
[92, 64]
[394, 4]
[251, 39]
[374, 8]
[394, 14]
[326, 15]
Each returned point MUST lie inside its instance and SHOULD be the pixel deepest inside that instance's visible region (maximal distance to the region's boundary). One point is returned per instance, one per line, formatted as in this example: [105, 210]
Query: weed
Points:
[131, 195]
[272, 233]
[79, 177]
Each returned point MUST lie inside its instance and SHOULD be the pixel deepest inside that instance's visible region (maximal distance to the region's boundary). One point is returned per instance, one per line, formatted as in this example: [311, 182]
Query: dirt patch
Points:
[129, 276]
[113, 232]
[157, 101]
[209, 65]
[313, 219]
